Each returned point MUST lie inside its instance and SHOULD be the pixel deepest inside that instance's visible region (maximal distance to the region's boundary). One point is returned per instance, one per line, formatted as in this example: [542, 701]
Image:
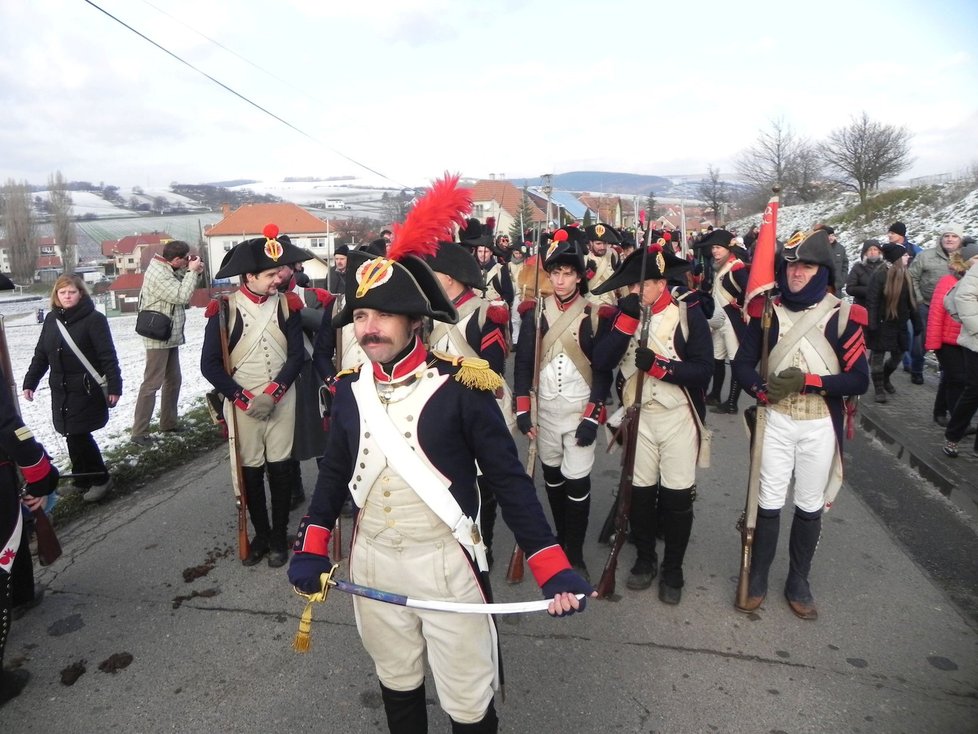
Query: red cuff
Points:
[545, 563]
[660, 368]
[626, 324]
[275, 390]
[522, 403]
[37, 472]
[312, 539]
[243, 400]
[595, 412]
[813, 383]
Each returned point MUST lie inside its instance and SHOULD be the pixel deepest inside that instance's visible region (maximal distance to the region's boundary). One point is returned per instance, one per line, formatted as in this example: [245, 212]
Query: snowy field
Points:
[22, 334]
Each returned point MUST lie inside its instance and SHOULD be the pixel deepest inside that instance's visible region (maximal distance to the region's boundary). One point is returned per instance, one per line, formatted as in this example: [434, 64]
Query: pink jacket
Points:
[941, 328]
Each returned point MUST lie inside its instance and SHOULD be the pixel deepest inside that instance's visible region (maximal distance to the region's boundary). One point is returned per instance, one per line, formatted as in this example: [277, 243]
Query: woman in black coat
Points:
[857, 284]
[78, 404]
[890, 303]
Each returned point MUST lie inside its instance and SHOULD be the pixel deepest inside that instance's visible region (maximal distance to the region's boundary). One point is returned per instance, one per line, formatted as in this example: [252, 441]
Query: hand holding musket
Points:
[629, 432]
[237, 478]
[756, 419]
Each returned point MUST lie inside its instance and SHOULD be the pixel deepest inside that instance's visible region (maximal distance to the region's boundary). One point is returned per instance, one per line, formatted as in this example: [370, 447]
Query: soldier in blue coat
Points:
[18, 450]
[408, 430]
[817, 358]
[678, 362]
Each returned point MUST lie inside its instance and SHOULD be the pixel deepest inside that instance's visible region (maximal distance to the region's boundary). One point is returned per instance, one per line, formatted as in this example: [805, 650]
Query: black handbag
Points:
[154, 325]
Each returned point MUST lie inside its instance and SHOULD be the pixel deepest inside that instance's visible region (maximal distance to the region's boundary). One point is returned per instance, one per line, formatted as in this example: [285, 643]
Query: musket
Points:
[337, 536]
[48, 546]
[237, 476]
[756, 419]
[629, 431]
[514, 573]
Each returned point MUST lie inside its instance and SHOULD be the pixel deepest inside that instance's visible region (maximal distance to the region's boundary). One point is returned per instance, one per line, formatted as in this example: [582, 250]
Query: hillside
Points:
[924, 209]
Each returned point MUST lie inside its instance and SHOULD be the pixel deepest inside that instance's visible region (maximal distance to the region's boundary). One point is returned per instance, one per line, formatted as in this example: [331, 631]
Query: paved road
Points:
[891, 651]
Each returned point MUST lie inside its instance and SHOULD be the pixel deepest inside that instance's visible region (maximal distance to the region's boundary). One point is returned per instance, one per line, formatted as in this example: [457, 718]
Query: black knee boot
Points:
[762, 554]
[298, 491]
[888, 369]
[12, 682]
[641, 521]
[281, 479]
[406, 710]
[254, 491]
[488, 725]
[557, 496]
[716, 388]
[576, 513]
[878, 388]
[675, 517]
[487, 517]
[806, 527]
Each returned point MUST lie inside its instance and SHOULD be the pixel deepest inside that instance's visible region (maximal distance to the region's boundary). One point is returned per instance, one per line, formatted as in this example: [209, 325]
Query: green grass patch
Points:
[132, 467]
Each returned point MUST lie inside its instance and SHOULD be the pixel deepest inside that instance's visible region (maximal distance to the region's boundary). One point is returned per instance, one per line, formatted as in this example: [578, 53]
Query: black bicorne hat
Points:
[660, 264]
[406, 286]
[603, 233]
[718, 237]
[564, 250]
[456, 261]
[261, 253]
[809, 247]
[475, 234]
[6, 284]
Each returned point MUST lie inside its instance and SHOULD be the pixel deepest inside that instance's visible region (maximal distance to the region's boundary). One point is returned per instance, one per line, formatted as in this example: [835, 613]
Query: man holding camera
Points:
[168, 285]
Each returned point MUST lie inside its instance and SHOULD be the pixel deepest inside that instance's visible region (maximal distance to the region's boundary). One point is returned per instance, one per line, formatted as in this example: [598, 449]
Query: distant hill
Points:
[602, 181]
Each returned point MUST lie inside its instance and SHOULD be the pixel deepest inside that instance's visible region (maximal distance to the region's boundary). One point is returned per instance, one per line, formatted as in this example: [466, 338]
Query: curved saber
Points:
[388, 597]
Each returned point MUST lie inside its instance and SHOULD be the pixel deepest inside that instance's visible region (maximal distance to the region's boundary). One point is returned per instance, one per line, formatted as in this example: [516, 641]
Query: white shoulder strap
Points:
[100, 379]
[426, 483]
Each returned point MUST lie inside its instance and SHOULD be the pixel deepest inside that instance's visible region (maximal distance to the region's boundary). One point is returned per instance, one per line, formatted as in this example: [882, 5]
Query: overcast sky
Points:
[410, 88]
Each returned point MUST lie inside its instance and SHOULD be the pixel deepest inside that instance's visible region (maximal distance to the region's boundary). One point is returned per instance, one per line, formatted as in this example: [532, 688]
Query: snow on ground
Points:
[22, 335]
[925, 222]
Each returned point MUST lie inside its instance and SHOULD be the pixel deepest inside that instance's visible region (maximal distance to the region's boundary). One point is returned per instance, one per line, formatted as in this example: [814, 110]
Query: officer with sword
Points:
[407, 431]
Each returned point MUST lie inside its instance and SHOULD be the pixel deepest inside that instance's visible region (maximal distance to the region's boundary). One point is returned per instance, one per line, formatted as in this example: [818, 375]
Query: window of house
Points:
[478, 211]
[317, 242]
[47, 250]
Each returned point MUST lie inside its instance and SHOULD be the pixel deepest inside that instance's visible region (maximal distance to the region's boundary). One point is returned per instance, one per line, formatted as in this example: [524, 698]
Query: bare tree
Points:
[867, 152]
[715, 193]
[64, 227]
[780, 157]
[21, 230]
[395, 206]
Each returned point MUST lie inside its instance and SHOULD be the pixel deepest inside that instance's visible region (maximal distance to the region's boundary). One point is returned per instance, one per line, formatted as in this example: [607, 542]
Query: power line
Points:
[242, 97]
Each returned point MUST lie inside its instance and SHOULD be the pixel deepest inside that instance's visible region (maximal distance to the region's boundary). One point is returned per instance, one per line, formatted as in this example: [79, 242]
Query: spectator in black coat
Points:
[891, 304]
[78, 404]
[858, 281]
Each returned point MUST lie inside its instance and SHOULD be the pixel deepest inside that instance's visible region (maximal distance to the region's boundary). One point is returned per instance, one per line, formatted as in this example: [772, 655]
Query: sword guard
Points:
[302, 640]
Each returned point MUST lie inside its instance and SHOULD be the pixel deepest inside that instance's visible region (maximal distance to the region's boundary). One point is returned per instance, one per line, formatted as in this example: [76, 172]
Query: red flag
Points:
[761, 277]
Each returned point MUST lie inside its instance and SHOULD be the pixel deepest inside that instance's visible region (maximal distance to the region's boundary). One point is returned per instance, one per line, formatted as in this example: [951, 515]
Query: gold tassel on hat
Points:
[302, 641]
[473, 372]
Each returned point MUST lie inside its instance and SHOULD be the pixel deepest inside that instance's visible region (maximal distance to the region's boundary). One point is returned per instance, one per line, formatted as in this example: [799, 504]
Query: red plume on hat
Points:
[431, 220]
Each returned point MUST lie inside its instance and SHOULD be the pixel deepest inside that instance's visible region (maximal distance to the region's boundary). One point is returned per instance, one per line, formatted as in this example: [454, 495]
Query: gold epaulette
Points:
[473, 372]
[352, 371]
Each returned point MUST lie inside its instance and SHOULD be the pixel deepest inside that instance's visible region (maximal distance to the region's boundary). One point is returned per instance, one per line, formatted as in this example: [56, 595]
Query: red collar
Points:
[564, 305]
[467, 295]
[252, 296]
[664, 300]
[406, 367]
